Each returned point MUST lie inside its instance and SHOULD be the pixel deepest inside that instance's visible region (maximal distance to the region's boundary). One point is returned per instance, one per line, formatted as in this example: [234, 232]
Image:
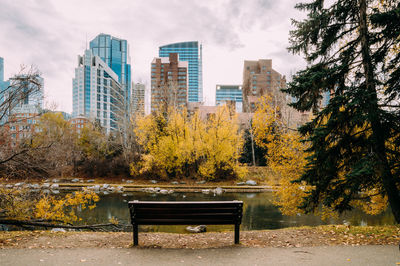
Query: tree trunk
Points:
[378, 131]
[252, 146]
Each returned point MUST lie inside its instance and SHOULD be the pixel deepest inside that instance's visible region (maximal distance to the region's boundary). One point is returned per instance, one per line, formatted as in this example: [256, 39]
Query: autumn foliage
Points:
[287, 154]
[21, 204]
[179, 145]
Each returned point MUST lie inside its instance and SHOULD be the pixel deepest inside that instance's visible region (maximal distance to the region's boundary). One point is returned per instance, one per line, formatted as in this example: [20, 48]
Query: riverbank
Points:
[329, 235]
[259, 179]
[256, 182]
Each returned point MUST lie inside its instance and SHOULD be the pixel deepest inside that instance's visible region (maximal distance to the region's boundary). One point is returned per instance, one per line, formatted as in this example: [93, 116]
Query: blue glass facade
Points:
[228, 93]
[115, 53]
[192, 53]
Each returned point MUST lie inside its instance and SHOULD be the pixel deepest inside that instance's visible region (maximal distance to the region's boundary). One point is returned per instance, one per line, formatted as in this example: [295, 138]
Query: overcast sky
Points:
[51, 33]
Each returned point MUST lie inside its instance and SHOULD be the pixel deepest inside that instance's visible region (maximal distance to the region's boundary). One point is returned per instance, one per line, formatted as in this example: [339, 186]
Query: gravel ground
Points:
[298, 237]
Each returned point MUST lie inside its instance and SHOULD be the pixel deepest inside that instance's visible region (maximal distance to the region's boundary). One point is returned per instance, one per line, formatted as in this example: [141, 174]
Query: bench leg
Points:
[135, 235]
[237, 228]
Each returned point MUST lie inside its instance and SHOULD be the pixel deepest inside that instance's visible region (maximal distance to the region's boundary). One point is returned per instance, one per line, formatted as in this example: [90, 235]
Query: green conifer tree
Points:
[352, 51]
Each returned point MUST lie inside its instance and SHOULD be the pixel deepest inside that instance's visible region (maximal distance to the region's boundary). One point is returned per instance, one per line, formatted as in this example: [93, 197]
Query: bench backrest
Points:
[185, 212]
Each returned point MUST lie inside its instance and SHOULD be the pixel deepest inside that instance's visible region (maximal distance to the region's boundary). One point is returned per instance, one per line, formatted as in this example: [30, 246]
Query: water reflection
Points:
[259, 212]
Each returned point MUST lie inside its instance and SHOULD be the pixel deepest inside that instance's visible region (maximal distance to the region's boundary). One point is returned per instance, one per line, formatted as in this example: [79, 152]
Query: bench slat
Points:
[186, 216]
[159, 221]
[185, 210]
[182, 205]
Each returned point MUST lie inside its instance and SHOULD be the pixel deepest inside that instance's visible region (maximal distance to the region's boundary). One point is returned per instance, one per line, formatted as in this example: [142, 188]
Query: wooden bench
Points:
[185, 213]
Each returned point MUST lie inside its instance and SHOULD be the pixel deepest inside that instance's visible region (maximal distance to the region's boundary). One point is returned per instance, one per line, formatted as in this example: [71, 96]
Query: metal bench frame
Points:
[185, 213]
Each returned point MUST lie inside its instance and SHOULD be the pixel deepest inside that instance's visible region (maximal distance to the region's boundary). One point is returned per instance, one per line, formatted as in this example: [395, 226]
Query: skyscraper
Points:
[169, 80]
[96, 92]
[229, 93]
[138, 101]
[115, 53]
[192, 53]
[260, 79]
[1, 69]
[3, 84]
[23, 93]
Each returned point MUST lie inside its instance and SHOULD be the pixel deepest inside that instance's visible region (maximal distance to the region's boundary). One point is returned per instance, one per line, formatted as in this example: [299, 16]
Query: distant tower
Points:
[229, 93]
[259, 78]
[115, 53]
[97, 93]
[192, 53]
[1, 69]
[138, 98]
[169, 82]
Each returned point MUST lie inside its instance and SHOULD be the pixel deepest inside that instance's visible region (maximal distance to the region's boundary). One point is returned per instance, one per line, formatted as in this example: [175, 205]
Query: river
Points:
[258, 212]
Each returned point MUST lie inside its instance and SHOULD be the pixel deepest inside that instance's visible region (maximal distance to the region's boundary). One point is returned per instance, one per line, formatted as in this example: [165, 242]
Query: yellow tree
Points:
[221, 145]
[287, 158]
[285, 155]
[180, 145]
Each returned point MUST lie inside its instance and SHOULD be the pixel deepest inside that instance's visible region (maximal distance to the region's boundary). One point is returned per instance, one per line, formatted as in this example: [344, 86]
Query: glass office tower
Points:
[192, 53]
[115, 53]
[96, 92]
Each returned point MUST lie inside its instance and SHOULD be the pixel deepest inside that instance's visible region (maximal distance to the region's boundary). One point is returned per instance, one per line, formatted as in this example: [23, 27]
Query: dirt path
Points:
[333, 255]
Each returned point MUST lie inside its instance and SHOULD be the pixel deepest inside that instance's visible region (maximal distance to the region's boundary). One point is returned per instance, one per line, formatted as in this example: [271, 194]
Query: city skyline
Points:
[49, 34]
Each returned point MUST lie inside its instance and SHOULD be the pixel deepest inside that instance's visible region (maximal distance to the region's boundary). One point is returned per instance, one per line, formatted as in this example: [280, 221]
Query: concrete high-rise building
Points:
[1, 69]
[3, 85]
[192, 53]
[138, 98]
[115, 53]
[229, 94]
[36, 92]
[169, 82]
[27, 94]
[259, 78]
[97, 93]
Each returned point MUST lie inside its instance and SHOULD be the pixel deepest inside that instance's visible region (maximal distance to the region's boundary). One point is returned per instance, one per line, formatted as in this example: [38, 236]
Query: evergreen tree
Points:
[352, 51]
